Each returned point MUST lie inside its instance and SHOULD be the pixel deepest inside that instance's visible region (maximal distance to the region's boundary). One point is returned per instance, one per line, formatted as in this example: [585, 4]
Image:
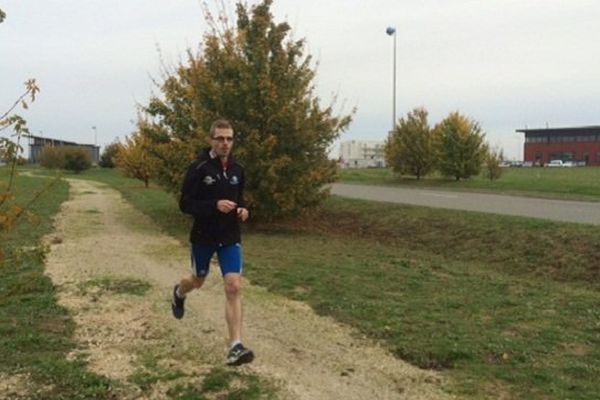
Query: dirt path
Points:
[100, 239]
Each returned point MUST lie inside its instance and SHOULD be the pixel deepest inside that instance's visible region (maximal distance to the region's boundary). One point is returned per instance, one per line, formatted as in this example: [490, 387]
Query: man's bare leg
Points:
[238, 354]
[233, 306]
[189, 283]
[179, 291]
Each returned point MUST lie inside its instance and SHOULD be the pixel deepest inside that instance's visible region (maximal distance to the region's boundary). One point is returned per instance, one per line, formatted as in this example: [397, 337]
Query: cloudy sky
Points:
[506, 63]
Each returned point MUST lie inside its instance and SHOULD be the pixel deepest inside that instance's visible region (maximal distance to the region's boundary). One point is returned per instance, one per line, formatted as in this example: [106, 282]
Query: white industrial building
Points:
[362, 154]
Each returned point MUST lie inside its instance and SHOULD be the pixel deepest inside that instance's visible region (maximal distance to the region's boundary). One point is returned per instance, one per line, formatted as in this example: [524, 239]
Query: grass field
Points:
[506, 307]
[568, 183]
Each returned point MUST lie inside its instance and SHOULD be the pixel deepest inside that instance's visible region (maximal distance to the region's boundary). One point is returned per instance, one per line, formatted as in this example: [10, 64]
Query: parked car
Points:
[556, 164]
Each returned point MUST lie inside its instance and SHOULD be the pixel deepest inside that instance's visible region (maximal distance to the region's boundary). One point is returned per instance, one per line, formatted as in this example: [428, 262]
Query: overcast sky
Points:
[506, 63]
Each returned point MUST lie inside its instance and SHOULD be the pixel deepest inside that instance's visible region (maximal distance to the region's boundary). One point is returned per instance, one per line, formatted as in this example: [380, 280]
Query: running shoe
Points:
[239, 355]
[177, 304]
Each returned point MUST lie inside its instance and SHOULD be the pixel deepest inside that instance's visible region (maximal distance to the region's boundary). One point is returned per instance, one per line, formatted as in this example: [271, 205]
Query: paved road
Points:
[557, 210]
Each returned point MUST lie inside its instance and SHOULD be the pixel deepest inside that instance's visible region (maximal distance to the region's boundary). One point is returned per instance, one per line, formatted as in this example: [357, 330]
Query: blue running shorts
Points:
[230, 258]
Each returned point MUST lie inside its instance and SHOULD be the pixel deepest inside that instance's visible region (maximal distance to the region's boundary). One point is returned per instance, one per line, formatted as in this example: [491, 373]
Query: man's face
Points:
[222, 141]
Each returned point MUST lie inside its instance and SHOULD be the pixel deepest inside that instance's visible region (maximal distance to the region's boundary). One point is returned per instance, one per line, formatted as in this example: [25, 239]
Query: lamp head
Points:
[390, 30]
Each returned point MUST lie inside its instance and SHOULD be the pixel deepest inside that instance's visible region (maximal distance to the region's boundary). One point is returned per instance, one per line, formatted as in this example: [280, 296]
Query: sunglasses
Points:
[223, 139]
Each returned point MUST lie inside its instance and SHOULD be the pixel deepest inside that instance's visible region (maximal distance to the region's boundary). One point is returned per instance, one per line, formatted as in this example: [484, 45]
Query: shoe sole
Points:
[243, 359]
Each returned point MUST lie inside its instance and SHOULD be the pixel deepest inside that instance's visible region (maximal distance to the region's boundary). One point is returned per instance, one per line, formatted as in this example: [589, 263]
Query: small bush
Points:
[77, 159]
[133, 158]
[493, 160]
[108, 159]
[71, 158]
[52, 157]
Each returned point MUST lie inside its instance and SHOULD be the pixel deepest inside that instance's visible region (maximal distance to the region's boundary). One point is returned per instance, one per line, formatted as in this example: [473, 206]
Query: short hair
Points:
[219, 124]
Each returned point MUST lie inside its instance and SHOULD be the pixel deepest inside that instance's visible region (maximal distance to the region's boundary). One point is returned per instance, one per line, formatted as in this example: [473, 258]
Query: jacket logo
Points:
[209, 180]
[234, 180]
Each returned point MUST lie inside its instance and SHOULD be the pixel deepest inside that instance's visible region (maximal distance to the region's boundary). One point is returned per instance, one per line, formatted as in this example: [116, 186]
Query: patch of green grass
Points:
[35, 332]
[476, 323]
[218, 382]
[225, 384]
[130, 286]
[558, 251]
[569, 183]
[152, 372]
[499, 304]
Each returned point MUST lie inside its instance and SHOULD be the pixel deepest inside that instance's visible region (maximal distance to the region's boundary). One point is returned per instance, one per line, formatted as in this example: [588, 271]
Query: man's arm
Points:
[189, 202]
[242, 211]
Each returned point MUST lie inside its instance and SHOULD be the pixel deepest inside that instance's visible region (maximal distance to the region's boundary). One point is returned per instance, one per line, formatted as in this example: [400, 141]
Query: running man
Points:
[213, 194]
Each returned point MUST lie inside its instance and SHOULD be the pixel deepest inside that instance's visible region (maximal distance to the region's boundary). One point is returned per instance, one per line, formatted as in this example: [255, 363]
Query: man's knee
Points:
[233, 286]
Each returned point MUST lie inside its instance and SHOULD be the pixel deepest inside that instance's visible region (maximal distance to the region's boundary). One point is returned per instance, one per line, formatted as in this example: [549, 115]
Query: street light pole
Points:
[391, 31]
[96, 150]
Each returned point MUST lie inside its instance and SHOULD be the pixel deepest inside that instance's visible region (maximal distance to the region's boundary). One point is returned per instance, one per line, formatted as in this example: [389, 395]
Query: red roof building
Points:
[578, 144]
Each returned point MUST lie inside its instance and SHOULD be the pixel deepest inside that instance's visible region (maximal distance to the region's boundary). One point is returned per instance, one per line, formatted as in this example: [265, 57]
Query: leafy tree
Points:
[410, 148]
[134, 158]
[8, 148]
[108, 158]
[461, 146]
[169, 157]
[493, 159]
[2, 16]
[77, 159]
[260, 80]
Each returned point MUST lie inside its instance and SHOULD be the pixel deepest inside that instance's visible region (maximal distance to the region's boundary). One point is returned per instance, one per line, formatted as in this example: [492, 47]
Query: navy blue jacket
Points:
[205, 183]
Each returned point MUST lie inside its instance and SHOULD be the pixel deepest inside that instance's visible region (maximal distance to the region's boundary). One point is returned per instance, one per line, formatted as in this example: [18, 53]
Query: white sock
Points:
[178, 293]
[235, 344]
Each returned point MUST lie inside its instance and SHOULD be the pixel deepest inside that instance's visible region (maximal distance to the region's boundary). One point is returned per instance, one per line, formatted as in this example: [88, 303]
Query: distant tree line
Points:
[455, 147]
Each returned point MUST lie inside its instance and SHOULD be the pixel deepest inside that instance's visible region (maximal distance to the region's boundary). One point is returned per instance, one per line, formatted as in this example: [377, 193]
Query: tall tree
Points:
[410, 148]
[461, 146]
[260, 80]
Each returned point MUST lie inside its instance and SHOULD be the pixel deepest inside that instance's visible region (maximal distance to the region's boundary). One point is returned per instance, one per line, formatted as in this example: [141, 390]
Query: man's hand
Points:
[242, 213]
[225, 206]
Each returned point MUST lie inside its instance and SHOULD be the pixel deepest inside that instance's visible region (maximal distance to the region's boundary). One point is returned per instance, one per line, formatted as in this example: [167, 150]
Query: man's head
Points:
[221, 138]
